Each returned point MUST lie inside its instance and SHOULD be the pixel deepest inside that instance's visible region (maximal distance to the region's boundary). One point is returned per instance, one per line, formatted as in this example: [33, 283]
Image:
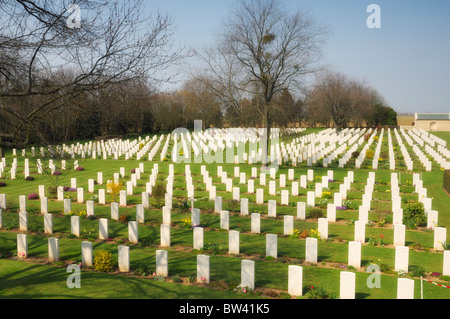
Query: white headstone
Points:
[354, 254]
[248, 274]
[225, 219]
[405, 288]
[347, 285]
[23, 221]
[446, 263]
[311, 250]
[233, 242]
[124, 258]
[360, 231]
[162, 263]
[75, 225]
[399, 235]
[115, 211]
[323, 228]
[244, 207]
[53, 249]
[295, 280]
[272, 208]
[440, 237]
[86, 254]
[255, 223]
[271, 245]
[203, 274]
[165, 235]
[401, 258]
[301, 210]
[198, 238]
[133, 235]
[22, 246]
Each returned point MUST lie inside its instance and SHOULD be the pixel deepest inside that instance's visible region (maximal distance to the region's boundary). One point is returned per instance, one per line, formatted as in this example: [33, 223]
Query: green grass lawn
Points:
[37, 278]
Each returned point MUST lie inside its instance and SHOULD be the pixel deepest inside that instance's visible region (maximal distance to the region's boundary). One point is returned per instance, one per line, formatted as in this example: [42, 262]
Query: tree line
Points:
[102, 79]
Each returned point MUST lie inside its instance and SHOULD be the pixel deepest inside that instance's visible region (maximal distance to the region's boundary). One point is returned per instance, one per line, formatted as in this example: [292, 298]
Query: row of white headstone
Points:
[405, 287]
[300, 149]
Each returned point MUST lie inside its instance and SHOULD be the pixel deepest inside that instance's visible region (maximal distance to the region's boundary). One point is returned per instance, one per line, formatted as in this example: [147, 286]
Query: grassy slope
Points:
[38, 281]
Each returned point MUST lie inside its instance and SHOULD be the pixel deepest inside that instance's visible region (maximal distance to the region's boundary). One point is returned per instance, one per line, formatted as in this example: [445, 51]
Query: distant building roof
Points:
[432, 116]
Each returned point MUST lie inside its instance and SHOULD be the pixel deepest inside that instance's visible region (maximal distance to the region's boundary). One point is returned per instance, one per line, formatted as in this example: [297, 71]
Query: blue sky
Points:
[407, 60]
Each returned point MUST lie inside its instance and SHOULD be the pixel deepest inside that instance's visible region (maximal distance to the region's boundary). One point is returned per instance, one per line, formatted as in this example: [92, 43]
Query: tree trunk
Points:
[265, 139]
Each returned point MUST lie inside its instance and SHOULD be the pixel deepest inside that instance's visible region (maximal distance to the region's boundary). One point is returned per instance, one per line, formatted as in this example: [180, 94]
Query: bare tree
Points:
[335, 93]
[115, 43]
[265, 49]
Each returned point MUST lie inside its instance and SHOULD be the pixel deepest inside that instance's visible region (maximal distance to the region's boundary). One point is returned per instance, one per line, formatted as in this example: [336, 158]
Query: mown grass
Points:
[39, 280]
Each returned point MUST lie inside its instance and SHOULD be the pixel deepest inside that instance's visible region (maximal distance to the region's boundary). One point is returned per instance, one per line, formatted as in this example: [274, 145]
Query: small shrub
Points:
[33, 196]
[348, 204]
[2, 184]
[176, 279]
[322, 202]
[88, 234]
[145, 243]
[284, 295]
[233, 205]
[317, 293]
[314, 234]
[416, 271]
[159, 191]
[57, 173]
[369, 154]
[355, 154]
[10, 224]
[124, 218]
[29, 178]
[159, 278]
[52, 191]
[414, 215]
[315, 213]
[115, 189]
[385, 268]
[103, 261]
[326, 194]
[187, 223]
[143, 268]
[79, 168]
[183, 204]
[300, 235]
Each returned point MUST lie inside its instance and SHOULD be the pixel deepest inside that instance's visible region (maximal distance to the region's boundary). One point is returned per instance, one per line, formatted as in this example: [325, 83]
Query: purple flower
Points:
[33, 196]
[2, 184]
[133, 171]
[436, 274]
[71, 190]
[66, 188]
[330, 181]
[57, 173]
[79, 168]
[341, 207]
